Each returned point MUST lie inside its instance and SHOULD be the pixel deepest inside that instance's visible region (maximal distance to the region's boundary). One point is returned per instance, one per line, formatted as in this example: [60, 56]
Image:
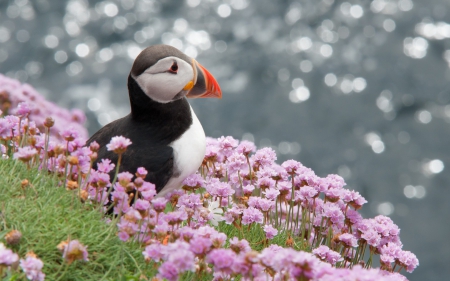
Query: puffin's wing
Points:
[104, 135]
[157, 160]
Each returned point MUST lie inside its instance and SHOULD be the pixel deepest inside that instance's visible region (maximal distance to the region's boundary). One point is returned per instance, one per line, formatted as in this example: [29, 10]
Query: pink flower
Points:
[237, 162]
[349, 240]
[270, 231]
[239, 246]
[271, 193]
[246, 147]
[328, 255]
[32, 267]
[292, 167]
[74, 250]
[264, 157]
[141, 172]
[226, 145]
[168, 270]
[153, 252]
[251, 215]
[7, 257]
[408, 260]
[221, 259]
[194, 180]
[69, 134]
[200, 245]
[371, 237]
[248, 189]
[6, 128]
[118, 144]
[23, 109]
[159, 204]
[105, 166]
[25, 153]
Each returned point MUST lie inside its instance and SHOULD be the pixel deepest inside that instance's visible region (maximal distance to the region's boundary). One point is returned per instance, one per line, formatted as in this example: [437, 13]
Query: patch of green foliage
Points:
[46, 214]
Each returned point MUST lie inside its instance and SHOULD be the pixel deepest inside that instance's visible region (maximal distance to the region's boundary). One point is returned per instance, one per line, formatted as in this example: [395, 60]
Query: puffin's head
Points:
[166, 74]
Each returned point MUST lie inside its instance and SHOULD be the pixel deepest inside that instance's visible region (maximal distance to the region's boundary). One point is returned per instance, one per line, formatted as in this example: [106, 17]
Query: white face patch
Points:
[162, 84]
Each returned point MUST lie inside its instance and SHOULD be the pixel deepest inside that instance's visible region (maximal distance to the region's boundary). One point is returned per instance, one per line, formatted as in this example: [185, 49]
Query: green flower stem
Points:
[47, 140]
[115, 177]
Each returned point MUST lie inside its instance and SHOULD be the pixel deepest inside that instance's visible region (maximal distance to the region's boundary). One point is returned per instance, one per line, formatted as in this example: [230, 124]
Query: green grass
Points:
[47, 214]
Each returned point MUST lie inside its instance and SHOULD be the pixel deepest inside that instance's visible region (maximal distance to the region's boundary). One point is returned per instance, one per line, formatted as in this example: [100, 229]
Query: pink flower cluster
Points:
[13, 94]
[31, 265]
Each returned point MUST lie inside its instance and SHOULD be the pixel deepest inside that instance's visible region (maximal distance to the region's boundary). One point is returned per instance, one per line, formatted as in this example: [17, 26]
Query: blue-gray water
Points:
[358, 88]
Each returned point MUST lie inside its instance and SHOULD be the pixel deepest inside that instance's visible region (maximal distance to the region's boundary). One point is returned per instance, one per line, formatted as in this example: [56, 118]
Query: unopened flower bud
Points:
[289, 241]
[33, 131]
[59, 149]
[32, 141]
[130, 187]
[83, 195]
[138, 182]
[25, 183]
[141, 172]
[93, 156]
[13, 237]
[31, 254]
[94, 146]
[72, 185]
[73, 160]
[62, 245]
[49, 122]
[251, 256]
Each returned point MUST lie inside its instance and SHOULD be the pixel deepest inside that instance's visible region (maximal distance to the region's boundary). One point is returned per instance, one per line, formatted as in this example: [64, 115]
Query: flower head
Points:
[13, 237]
[7, 257]
[118, 144]
[292, 166]
[246, 147]
[23, 109]
[270, 231]
[251, 215]
[215, 213]
[25, 153]
[69, 134]
[326, 254]
[32, 267]
[74, 250]
[159, 204]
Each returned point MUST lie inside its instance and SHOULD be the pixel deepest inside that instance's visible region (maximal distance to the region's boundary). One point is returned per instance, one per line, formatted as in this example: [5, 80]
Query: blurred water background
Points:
[357, 88]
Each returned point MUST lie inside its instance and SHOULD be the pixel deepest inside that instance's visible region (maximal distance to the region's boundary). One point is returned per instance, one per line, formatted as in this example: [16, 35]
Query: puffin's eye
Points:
[174, 67]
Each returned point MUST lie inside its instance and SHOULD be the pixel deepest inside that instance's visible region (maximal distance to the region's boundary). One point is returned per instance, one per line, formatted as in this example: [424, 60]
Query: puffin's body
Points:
[167, 137]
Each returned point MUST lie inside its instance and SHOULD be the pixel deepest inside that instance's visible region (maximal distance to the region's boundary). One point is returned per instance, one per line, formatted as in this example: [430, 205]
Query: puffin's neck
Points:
[176, 114]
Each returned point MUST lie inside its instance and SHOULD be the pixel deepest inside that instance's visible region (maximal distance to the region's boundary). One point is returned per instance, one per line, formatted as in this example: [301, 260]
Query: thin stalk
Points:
[291, 205]
[47, 140]
[115, 176]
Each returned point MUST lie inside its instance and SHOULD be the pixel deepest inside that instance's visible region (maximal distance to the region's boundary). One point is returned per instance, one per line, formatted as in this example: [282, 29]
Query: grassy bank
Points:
[46, 214]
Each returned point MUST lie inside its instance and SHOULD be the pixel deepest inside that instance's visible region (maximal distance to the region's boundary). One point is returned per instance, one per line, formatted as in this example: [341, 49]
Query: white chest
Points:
[189, 151]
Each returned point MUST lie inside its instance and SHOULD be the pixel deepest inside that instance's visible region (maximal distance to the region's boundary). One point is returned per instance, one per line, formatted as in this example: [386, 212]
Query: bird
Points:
[167, 139]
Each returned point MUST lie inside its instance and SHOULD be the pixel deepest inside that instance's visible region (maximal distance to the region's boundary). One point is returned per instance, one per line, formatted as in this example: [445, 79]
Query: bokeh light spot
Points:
[385, 208]
[224, 10]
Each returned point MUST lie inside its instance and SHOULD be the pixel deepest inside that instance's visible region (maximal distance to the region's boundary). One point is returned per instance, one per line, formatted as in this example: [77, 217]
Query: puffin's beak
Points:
[204, 84]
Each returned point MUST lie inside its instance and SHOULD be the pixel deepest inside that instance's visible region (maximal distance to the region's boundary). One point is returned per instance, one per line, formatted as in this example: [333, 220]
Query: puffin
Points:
[167, 139]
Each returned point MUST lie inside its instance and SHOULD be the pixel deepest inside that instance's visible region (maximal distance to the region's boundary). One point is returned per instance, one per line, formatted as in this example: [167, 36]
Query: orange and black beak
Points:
[204, 84]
